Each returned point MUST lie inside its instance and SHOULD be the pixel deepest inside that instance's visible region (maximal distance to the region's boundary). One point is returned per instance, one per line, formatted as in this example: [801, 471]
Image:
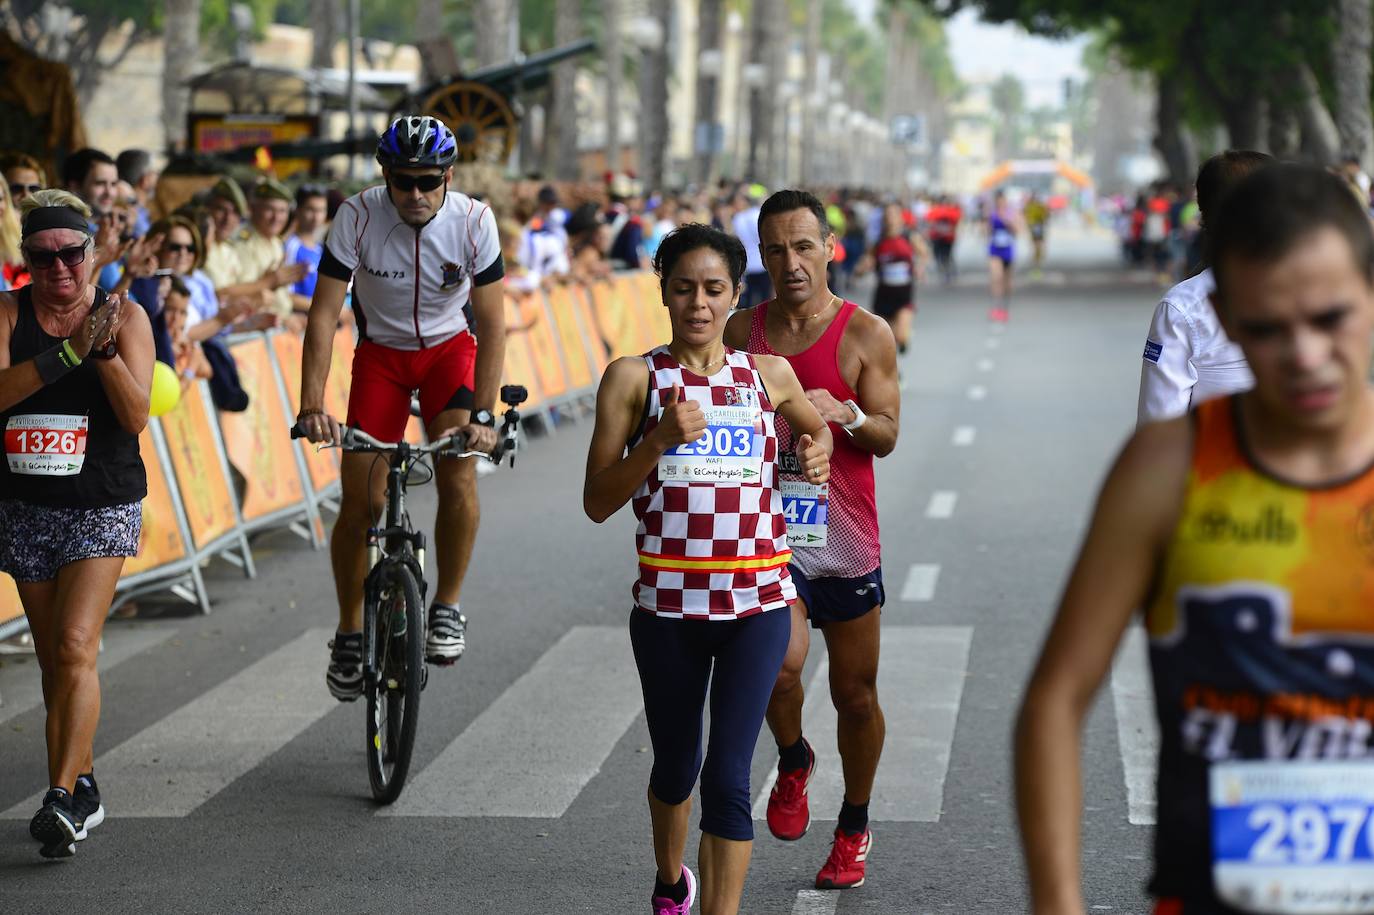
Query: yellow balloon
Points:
[166, 390]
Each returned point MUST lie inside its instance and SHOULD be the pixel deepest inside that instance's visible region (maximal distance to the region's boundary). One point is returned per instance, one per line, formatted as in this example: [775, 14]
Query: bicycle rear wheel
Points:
[395, 618]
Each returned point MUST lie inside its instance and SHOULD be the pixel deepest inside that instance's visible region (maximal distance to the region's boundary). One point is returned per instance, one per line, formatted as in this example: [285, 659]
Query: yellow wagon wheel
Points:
[480, 117]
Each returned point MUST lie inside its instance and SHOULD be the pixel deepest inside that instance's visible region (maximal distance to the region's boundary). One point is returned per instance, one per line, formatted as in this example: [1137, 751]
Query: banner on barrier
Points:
[323, 466]
[651, 307]
[205, 493]
[576, 359]
[596, 346]
[617, 319]
[257, 441]
[544, 350]
[518, 365]
[10, 607]
[161, 542]
[638, 316]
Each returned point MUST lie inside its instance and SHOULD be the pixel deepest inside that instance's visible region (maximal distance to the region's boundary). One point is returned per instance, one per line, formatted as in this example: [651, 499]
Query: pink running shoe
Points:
[665, 906]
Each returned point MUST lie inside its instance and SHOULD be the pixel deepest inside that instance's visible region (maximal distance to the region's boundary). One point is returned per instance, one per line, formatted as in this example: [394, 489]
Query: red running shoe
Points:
[999, 315]
[789, 813]
[848, 858]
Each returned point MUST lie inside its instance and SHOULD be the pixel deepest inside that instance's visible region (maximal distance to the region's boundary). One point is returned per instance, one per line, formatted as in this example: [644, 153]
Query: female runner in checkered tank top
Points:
[686, 431]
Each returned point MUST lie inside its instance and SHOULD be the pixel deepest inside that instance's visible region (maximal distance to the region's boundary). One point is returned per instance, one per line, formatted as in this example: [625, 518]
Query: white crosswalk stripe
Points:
[920, 684]
[23, 690]
[533, 749]
[816, 902]
[1137, 729]
[920, 582]
[942, 504]
[181, 761]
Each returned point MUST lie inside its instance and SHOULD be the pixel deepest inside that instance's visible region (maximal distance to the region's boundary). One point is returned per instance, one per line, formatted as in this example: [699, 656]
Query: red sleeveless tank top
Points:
[852, 545]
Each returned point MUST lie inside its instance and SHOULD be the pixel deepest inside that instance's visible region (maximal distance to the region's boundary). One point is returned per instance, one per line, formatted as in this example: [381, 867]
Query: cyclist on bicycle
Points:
[426, 268]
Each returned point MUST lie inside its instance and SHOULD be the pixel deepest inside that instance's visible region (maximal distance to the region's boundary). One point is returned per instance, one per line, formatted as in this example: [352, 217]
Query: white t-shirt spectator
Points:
[746, 226]
[1188, 357]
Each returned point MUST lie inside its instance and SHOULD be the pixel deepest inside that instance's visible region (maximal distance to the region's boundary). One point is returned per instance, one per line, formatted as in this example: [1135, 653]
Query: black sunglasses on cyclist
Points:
[17, 189]
[44, 260]
[171, 248]
[407, 183]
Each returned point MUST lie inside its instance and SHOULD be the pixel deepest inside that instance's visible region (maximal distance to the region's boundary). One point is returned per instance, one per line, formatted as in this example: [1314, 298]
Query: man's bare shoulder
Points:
[737, 328]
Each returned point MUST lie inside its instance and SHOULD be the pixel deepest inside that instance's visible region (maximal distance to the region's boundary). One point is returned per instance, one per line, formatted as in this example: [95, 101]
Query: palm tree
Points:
[561, 144]
[181, 49]
[1350, 65]
[708, 87]
[653, 98]
[615, 73]
[494, 23]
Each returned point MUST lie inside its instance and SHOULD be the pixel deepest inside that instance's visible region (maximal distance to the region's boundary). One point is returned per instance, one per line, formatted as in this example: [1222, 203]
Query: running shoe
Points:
[56, 825]
[1000, 315]
[662, 905]
[789, 811]
[86, 804]
[848, 858]
[448, 634]
[345, 674]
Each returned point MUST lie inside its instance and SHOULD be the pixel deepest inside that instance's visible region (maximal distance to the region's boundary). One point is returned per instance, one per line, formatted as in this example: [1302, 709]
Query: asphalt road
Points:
[235, 784]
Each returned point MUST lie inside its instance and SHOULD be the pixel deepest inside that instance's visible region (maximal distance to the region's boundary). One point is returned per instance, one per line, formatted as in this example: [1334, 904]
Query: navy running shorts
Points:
[839, 600]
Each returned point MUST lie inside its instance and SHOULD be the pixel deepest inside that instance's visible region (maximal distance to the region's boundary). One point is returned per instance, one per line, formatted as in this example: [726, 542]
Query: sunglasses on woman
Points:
[20, 190]
[44, 260]
[407, 183]
[172, 248]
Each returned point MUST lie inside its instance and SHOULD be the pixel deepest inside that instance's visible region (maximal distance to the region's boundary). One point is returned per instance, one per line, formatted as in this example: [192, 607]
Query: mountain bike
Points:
[394, 595]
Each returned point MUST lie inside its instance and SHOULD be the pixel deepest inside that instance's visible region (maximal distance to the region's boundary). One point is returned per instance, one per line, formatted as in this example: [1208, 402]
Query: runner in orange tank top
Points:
[846, 360]
[1245, 532]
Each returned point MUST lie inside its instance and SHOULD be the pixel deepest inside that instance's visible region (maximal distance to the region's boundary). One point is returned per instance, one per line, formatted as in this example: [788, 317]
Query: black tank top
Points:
[43, 464]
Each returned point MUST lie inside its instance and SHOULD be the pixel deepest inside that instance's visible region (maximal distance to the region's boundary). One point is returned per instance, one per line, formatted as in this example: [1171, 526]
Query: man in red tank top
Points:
[846, 360]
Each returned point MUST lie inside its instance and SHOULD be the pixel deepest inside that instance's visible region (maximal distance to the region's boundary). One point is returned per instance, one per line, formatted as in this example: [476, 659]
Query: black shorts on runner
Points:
[889, 300]
[839, 600]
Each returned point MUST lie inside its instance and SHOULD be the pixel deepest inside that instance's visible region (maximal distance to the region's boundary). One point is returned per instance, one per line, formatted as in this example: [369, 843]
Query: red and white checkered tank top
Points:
[853, 547]
[713, 549]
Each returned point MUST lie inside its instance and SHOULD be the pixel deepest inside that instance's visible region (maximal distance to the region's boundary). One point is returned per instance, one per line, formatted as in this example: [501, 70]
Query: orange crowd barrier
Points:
[160, 543]
[206, 495]
[543, 342]
[323, 466]
[10, 607]
[572, 338]
[257, 440]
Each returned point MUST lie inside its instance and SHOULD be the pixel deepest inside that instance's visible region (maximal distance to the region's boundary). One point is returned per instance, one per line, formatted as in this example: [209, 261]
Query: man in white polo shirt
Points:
[1188, 358]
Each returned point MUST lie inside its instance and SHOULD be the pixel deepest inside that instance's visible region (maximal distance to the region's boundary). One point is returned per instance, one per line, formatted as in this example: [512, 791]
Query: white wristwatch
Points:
[860, 417]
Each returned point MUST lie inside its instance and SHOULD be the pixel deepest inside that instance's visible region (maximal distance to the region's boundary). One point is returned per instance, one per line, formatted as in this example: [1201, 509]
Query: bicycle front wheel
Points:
[395, 617]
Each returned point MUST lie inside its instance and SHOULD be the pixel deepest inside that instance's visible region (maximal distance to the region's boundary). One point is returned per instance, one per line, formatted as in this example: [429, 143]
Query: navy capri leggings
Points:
[740, 660]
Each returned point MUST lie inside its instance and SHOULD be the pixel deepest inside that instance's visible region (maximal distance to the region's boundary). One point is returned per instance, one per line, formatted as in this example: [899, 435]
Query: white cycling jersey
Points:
[411, 285]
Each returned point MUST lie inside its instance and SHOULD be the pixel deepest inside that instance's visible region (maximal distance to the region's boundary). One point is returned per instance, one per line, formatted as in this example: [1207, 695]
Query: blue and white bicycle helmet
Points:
[417, 141]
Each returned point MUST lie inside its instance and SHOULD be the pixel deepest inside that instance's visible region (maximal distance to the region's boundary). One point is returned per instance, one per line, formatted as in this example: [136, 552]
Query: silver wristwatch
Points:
[860, 417]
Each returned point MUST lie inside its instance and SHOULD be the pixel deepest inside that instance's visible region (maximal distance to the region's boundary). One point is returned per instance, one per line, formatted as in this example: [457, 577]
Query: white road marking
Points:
[1137, 730]
[977, 392]
[942, 504]
[964, 435]
[178, 763]
[986, 365]
[920, 684]
[21, 684]
[816, 902]
[993, 342]
[532, 750]
[920, 582]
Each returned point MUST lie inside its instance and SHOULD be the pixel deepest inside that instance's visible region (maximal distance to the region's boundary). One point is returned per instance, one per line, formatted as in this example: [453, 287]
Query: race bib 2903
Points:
[49, 445]
[805, 506]
[1294, 838]
[730, 450]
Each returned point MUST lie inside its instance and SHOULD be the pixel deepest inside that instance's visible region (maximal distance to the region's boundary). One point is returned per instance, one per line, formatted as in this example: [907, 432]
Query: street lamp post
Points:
[755, 75]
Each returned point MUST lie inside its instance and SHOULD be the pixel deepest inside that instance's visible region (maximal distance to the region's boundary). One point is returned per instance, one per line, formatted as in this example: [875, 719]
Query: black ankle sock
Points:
[677, 892]
[853, 817]
[795, 757]
[901, 349]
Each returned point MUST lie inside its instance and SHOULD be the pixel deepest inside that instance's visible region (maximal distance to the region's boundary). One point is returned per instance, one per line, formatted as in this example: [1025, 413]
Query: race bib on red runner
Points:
[46, 445]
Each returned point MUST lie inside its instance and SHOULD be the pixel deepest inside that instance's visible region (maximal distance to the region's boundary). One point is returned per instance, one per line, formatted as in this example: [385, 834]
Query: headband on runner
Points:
[44, 218]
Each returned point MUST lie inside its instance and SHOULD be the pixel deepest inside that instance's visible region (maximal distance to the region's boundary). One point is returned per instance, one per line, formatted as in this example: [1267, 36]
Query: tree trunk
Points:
[653, 102]
[768, 45]
[438, 57]
[560, 137]
[615, 74]
[1350, 65]
[1244, 120]
[493, 21]
[1173, 143]
[708, 127]
[181, 48]
[326, 26]
[1320, 139]
[1285, 130]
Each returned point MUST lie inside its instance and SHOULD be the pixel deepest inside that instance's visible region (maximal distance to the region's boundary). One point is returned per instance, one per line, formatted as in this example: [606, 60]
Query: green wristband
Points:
[71, 357]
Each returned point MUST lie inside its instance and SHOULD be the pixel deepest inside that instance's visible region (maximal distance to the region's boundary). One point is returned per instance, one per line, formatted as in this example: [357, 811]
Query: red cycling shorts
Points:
[384, 380]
